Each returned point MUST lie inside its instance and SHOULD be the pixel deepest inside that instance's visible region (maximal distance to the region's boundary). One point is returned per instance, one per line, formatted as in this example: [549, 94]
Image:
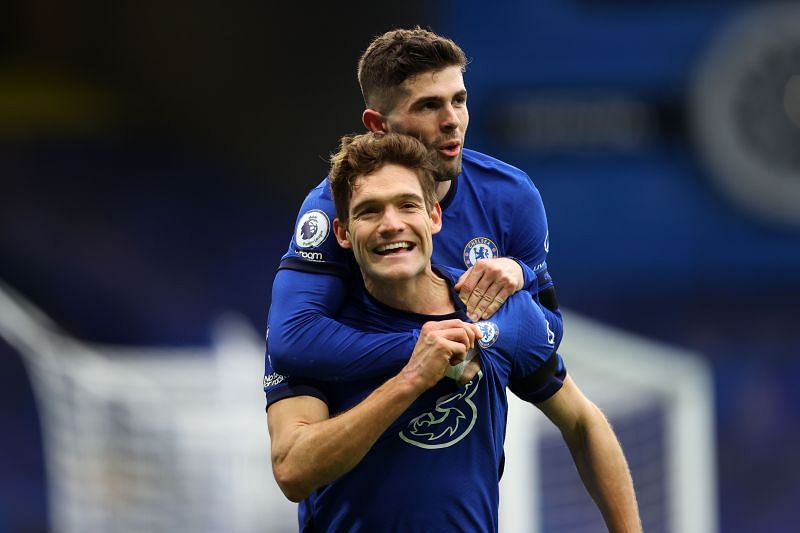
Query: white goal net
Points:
[174, 440]
[660, 402]
[150, 440]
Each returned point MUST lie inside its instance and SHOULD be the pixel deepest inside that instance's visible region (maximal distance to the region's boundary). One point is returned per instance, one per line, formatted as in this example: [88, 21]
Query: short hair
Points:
[392, 58]
[364, 154]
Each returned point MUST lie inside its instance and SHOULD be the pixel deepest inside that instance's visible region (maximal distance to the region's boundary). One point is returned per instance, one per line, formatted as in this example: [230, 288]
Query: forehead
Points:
[386, 183]
[442, 83]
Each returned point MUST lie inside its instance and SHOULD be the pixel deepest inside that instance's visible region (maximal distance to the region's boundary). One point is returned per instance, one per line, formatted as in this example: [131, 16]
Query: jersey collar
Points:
[451, 193]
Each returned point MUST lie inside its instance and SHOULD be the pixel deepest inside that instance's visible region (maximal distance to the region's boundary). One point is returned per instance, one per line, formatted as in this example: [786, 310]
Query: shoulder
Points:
[492, 167]
[317, 211]
[522, 312]
[493, 178]
[320, 193]
[313, 246]
[521, 305]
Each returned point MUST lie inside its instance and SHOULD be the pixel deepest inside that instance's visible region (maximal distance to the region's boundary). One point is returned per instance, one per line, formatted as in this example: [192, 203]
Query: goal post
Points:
[660, 401]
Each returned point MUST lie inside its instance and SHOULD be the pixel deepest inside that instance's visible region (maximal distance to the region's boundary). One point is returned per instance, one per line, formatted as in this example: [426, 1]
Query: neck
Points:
[425, 294]
[442, 187]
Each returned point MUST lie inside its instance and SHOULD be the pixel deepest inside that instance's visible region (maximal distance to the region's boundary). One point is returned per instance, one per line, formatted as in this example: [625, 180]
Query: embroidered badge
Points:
[312, 229]
[479, 248]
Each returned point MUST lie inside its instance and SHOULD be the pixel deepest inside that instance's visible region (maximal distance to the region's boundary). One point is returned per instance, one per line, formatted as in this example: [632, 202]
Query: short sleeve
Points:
[537, 371]
[278, 387]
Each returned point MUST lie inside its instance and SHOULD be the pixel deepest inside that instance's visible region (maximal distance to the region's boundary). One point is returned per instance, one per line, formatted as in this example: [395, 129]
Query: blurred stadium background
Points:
[153, 155]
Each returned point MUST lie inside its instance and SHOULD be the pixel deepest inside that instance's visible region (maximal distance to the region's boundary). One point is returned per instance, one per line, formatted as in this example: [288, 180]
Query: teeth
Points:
[392, 246]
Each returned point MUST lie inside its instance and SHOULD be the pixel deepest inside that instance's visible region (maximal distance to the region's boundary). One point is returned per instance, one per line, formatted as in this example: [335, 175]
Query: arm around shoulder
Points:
[597, 454]
[304, 339]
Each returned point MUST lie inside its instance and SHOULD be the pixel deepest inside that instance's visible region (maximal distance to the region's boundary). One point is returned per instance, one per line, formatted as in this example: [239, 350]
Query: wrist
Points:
[410, 381]
[528, 277]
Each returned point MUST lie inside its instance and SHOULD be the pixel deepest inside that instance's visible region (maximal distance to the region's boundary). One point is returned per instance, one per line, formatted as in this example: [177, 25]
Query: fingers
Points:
[499, 299]
[482, 297]
[454, 330]
[479, 288]
[487, 285]
[440, 346]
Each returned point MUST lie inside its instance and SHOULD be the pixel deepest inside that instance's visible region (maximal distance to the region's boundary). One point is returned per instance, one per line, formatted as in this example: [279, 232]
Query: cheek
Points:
[417, 127]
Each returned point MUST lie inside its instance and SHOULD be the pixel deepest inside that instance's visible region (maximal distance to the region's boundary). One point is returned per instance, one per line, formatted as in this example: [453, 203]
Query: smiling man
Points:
[413, 452]
[495, 227]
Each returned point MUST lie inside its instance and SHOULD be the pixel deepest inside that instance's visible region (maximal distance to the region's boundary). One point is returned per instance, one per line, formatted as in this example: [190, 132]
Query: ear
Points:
[374, 121]
[340, 230]
[436, 218]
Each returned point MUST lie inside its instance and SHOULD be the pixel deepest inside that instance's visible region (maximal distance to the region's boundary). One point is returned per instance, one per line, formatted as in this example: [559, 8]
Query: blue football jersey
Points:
[491, 210]
[438, 466]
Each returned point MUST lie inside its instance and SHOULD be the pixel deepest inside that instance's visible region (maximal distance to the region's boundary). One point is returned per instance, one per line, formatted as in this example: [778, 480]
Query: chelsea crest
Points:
[477, 249]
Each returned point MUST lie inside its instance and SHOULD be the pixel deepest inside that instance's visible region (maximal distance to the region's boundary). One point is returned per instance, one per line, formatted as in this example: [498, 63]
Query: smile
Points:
[394, 248]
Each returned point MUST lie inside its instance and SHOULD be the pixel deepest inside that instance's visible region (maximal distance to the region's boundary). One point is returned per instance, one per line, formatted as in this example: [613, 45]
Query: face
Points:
[433, 108]
[390, 230]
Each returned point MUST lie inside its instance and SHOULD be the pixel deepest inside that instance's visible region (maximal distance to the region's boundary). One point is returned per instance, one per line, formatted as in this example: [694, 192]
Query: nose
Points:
[391, 222]
[450, 118]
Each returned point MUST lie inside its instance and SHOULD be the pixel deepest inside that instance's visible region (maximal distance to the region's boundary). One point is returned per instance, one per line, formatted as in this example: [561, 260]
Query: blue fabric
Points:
[492, 210]
[438, 466]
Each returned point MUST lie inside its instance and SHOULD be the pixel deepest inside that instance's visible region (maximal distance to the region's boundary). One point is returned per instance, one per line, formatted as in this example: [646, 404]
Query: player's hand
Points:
[485, 286]
[440, 345]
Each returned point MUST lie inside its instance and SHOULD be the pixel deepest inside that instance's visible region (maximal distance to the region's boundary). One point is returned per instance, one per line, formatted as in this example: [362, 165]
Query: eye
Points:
[366, 212]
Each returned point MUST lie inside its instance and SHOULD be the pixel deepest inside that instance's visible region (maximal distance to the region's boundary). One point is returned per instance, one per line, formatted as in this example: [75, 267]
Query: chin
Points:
[394, 274]
[448, 171]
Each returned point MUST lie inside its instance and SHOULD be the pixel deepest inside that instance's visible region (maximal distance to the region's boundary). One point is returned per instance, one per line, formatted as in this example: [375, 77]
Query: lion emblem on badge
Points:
[312, 229]
[479, 248]
[489, 333]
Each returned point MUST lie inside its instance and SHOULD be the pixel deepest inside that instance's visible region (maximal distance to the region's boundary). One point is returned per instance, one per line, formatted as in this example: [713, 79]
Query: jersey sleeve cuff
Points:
[529, 278]
[543, 383]
[301, 265]
[292, 391]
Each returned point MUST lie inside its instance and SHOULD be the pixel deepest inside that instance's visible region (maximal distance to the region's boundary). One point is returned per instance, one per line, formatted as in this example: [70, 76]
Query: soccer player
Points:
[495, 225]
[412, 451]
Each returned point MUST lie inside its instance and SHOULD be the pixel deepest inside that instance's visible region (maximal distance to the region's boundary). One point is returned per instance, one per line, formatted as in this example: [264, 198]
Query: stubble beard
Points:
[447, 170]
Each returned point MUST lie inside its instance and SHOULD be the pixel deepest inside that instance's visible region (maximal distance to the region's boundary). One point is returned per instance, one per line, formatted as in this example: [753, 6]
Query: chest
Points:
[469, 235]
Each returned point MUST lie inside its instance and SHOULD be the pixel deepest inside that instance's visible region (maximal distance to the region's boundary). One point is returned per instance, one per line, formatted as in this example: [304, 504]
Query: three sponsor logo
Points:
[454, 415]
[450, 421]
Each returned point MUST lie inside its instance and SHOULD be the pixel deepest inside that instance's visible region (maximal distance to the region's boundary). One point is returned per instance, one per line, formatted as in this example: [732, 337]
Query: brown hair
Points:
[364, 154]
[397, 55]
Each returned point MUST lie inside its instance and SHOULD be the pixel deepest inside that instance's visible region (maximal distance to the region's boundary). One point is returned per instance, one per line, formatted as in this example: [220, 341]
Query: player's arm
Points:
[305, 341]
[530, 244]
[487, 285]
[597, 454]
[310, 449]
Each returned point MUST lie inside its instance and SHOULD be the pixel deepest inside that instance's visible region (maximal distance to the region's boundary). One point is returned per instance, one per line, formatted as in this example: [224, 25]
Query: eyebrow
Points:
[425, 99]
[368, 202]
